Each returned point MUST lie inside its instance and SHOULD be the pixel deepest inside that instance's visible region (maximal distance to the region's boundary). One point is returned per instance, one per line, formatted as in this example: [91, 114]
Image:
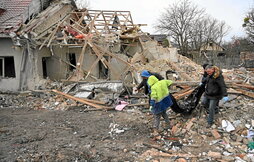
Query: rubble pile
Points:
[229, 139]
[37, 100]
[111, 52]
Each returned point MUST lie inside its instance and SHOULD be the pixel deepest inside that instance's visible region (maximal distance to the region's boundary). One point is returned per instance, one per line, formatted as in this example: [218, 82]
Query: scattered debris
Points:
[111, 52]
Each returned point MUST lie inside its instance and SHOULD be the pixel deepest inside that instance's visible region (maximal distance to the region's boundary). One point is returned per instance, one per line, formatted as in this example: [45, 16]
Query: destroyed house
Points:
[89, 44]
[63, 43]
[14, 13]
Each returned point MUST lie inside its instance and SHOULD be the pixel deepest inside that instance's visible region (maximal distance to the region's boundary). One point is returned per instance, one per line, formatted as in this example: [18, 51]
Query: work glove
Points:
[135, 89]
[225, 99]
[150, 108]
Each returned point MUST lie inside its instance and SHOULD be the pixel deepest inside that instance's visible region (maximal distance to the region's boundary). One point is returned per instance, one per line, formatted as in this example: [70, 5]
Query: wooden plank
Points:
[105, 22]
[182, 95]
[195, 83]
[93, 65]
[75, 23]
[247, 86]
[79, 100]
[94, 101]
[52, 33]
[165, 153]
[82, 17]
[103, 60]
[98, 54]
[182, 91]
[244, 92]
[113, 55]
[79, 72]
[106, 11]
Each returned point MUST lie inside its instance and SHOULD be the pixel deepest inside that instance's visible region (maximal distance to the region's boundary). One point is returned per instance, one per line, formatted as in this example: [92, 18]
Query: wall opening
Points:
[221, 54]
[44, 67]
[7, 67]
[103, 72]
[1, 67]
[72, 60]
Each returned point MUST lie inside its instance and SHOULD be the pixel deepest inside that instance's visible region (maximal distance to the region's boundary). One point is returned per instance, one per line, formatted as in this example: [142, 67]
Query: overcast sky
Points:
[148, 11]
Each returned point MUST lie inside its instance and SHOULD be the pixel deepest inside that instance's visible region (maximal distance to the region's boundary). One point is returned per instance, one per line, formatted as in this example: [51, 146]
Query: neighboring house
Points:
[161, 39]
[215, 54]
[211, 46]
[13, 60]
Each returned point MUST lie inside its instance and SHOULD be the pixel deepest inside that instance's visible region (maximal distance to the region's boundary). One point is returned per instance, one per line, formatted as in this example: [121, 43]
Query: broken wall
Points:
[58, 63]
[132, 49]
[55, 68]
[118, 68]
[152, 51]
[53, 16]
[7, 50]
[89, 59]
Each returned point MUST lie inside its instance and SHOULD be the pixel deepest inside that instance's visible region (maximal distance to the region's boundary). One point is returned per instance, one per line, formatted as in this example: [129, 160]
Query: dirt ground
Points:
[79, 134]
[73, 135]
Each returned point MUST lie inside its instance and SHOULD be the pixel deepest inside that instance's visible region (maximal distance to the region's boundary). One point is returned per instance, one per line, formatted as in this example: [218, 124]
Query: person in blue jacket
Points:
[160, 100]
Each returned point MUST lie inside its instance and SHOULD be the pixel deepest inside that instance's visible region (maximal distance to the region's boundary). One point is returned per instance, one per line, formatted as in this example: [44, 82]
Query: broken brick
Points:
[215, 134]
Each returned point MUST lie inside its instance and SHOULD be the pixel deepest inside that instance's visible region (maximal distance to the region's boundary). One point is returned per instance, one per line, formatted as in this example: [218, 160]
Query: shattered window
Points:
[221, 54]
[1, 67]
[72, 59]
[7, 67]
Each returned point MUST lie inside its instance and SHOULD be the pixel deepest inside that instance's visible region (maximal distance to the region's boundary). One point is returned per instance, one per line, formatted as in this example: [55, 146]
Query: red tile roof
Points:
[12, 18]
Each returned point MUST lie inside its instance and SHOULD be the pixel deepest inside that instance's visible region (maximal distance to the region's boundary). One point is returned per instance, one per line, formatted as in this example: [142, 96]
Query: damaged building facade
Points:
[13, 57]
[65, 44]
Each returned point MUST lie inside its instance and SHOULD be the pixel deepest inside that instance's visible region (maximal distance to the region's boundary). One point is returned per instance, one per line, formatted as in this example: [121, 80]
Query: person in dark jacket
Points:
[215, 90]
[145, 75]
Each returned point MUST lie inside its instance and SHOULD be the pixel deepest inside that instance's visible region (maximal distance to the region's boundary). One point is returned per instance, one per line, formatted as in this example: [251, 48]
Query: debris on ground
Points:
[75, 119]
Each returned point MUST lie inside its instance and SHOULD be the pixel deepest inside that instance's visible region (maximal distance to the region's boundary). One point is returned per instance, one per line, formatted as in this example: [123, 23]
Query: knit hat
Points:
[145, 73]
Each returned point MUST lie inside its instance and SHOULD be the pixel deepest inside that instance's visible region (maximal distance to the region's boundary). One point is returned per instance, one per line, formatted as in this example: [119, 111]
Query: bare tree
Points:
[177, 21]
[249, 24]
[190, 27]
[213, 30]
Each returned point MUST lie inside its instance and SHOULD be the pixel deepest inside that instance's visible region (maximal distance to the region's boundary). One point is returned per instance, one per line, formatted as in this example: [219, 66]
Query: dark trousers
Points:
[157, 119]
[210, 104]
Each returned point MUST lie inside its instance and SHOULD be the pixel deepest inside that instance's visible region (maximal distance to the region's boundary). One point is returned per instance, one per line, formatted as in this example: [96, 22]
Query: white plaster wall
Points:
[57, 69]
[89, 59]
[6, 49]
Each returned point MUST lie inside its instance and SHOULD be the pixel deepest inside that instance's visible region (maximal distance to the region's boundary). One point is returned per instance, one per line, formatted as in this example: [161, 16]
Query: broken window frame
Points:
[3, 69]
[74, 57]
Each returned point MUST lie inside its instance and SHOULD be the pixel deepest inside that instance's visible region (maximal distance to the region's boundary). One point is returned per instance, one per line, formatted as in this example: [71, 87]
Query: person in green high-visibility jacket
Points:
[160, 100]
